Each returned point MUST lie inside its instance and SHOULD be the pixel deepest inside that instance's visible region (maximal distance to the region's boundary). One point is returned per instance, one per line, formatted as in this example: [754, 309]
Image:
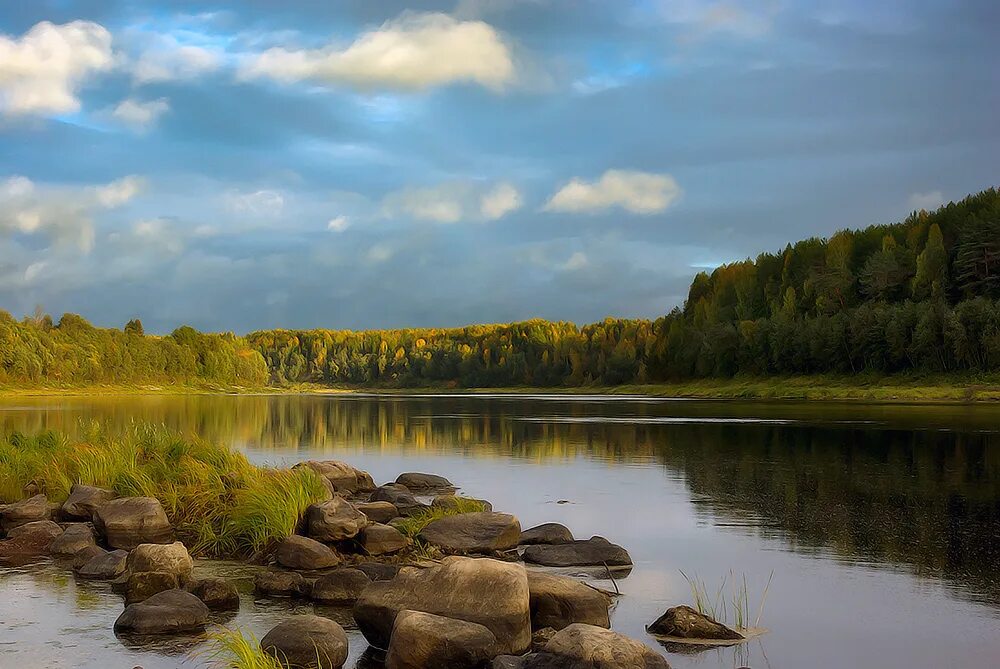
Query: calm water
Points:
[881, 524]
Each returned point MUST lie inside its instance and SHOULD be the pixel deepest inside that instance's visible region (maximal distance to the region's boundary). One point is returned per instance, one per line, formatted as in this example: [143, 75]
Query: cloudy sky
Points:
[248, 164]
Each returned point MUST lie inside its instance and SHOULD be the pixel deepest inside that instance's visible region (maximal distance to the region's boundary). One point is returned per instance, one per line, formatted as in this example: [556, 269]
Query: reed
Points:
[730, 606]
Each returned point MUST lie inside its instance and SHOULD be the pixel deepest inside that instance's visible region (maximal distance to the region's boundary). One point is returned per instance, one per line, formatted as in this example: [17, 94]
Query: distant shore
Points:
[814, 388]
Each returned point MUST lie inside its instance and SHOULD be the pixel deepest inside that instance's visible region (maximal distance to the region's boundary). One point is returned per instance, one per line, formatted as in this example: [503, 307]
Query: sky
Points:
[248, 164]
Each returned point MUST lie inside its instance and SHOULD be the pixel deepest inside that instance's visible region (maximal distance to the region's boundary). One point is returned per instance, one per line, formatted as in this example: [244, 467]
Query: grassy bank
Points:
[219, 503]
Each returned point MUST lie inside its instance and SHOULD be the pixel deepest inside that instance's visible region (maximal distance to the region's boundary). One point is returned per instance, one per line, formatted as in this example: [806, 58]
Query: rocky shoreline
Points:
[434, 580]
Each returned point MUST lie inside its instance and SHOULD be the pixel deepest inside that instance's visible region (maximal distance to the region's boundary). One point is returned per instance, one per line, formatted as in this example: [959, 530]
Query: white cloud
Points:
[440, 204]
[412, 52]
[930, 200]
[575, 262]
[497, 203]
[338, 224]
[379, 253]
[637, 192]
[738, 18]
[164, 58]
[138, 114]
[119, 192]
[42, 71]
[257, 203]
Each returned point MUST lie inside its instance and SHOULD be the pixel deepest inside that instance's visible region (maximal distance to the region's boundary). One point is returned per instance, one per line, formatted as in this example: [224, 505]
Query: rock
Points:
[27, 541]
[489, 592]
[400, 497]
[686, 623]
[281, 583]
[170, 558]
[379, 539]
[85, 555]
[83, 500]
[593, 551]
[484, 532]
[307, 641]
[167, 612]
[42, 529]
[343, 477]
[507, 662]
[142, 585]
[416, 482]
[378, 571]
[541, 636]
[334, 520]
[452, 501]
[73, 539]
[297, 552]
[127, 522]
[106, 566]
[582, 646]
[342, 586]
[25, 511]
[560, 601]
[426, 641]
[378, 512]
[546, 533]
[217, 594]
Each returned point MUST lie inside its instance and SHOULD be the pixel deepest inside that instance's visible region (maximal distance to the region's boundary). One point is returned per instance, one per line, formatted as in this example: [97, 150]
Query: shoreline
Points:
[936, 390]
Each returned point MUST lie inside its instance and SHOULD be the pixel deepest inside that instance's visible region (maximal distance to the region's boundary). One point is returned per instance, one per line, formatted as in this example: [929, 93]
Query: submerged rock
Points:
[400, 497]
[281, 583]
[129, 521]
[73, 539]
[546, 533]
[378, 512]
[170, 558]
[379, 539]
[582, 646]
[143, 585]
[342, 586]
[106, 566]
[334, 520]
[489, 592]
[560, 601]
[217, 594]
[684, 622]
[418, 482]
[307, 641]
[425, 641]
[297, 552]
[25, 511]
[83, 500]
[593, 551]
[484, 532]
[342, 477]
[167, 612]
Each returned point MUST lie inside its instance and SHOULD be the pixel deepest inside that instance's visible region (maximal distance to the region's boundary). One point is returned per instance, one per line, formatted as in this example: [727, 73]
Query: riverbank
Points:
[932, 388]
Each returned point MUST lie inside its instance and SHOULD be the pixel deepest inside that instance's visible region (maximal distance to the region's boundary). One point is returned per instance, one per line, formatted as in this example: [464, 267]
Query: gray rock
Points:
[417, 482]
[379, 571]
[560, 601]
[546, 533]
[341, 586]
[686, 623]
[129, 521]
[28, 541]
[170, 558]
[378, 512]
[307, 641]
[142, 585]
[489, 592]
[73, 539]
[217, 594]
[508, 662]
[25, 511]
[83, 500]
[85, 555]
[593, 551]
[425, 641]
[43, 529]
[400, 497]
[334, 520]
[379, 539]
[342, 477]
[484, 532]
[106, 566]
[582, 646]
[281, 583]
[167, 612]
[297, 552]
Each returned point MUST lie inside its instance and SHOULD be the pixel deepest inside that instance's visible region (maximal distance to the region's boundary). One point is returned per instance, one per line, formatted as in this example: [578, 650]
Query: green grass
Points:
[220, 504]
[412, 525]
[728, 606]
[230, 649]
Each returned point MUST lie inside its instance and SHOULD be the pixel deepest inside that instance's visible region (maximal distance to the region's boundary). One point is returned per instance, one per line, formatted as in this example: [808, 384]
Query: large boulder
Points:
[489, 592]
[685, 623]
[142, 585]
[106, 566]
[297, 552]
[378, 512]
[281, 583]
[484, 532]
[379, 571]
[379, 539]
[453, 502]
[167, 612]
[560, 601]
[334, 520]
[426, 641]
[83, 500]
[339, 587]
[590, 552]
[28, 541]
[582, 646]
[418, 482]
[73, 539]
[307, 641]
[85, 555]
[546, 533]
[42, 529]
[127, 522]
[25, 511]
[169, 558]
[217, 594]
[342, 477]
[400, 497]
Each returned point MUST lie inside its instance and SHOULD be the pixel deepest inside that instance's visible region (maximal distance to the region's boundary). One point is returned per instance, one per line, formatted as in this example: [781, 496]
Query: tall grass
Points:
[730, 607]
[231, 650]
[219, 503]
[412, 525]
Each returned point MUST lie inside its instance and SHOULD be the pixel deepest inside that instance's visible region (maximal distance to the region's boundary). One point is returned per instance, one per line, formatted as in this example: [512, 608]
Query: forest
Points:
[921, 295]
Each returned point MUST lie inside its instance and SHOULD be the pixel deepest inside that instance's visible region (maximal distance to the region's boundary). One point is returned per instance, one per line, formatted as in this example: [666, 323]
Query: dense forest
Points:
[921, 295]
